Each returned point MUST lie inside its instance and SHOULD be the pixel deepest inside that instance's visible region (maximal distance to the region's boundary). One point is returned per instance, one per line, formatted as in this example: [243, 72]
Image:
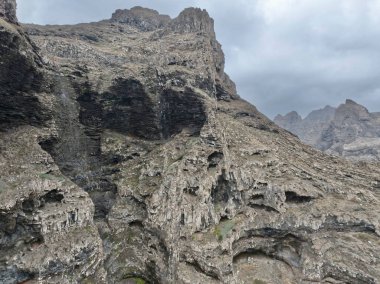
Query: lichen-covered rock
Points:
[185, 182]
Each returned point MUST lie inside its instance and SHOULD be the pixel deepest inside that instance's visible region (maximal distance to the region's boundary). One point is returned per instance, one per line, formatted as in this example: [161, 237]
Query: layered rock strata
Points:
[147, 167]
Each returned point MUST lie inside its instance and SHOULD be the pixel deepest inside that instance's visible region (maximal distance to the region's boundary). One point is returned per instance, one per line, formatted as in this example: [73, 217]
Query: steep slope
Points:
[190, 184]
[350, 130]
[46, 221]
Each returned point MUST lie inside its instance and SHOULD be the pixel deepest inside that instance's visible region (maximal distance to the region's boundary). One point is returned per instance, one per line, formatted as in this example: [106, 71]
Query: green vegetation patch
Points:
[136, 280]
[223, 228]
[257, 281]
[51, 177]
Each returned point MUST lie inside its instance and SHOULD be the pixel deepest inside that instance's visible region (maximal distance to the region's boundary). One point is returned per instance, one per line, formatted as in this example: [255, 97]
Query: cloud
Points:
[283, 54]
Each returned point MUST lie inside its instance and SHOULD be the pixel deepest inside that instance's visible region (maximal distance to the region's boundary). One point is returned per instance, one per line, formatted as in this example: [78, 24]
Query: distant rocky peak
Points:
[8, 10]
[351, 102]
[352, 110]
[290, 117]
[142, 18]
[290, 121]
[323, 115]
[193, 20]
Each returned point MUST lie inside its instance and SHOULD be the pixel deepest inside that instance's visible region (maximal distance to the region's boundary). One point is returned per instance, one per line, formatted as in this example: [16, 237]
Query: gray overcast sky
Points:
[282, 54]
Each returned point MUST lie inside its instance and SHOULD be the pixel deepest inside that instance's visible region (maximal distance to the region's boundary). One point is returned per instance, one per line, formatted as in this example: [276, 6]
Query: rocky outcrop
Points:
[350, 130]
[143, 18]
[193, 20]
[8, 10]
[150, 169]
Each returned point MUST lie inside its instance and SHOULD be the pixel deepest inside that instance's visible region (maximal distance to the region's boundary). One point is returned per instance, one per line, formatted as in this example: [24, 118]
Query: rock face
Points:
[350, 130]
[8, 10]
[193, 20]
[142, 18]
[47, 228]
[149, 168]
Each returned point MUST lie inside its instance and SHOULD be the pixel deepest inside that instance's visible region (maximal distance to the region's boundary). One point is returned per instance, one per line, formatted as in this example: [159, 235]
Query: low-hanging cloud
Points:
[283, 54]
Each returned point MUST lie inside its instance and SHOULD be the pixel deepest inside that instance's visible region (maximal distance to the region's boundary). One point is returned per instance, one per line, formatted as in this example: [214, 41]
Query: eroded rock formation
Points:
[142, 18]
[148, 168]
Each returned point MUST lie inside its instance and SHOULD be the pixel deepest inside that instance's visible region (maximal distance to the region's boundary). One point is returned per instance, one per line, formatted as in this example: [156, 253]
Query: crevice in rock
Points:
[341, 276]
[191, 190]
[250, 252]
[270, 232]
[202, 270]
[53, 196]
[333, 224]
[293, 197]
[214, 159]
[136, 223]
[225, 189]
[285, 248]
[262, 207]
[257, 196]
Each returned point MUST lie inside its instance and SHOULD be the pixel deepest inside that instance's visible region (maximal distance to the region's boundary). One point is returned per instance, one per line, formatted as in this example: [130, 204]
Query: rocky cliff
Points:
[8, 10]
[131, 159]
[350, 130]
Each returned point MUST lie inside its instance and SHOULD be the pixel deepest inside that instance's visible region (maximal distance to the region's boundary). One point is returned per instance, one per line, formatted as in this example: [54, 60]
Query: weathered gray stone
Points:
[8, 10]
[142, 18]
[149, 168]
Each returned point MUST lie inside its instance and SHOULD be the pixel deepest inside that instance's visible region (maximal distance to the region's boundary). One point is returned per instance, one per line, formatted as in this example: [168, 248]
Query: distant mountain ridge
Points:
[349, 130]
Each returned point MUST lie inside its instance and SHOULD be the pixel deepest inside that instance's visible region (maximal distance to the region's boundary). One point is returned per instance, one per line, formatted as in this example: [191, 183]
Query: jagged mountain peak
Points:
[325, 114]
[293, 114]
[350, 102]
[193, 20]
[351, 110]
[349, 130]
[288, 120]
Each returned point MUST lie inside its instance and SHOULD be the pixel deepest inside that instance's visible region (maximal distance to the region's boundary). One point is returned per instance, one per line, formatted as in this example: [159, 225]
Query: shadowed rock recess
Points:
[127, 157]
